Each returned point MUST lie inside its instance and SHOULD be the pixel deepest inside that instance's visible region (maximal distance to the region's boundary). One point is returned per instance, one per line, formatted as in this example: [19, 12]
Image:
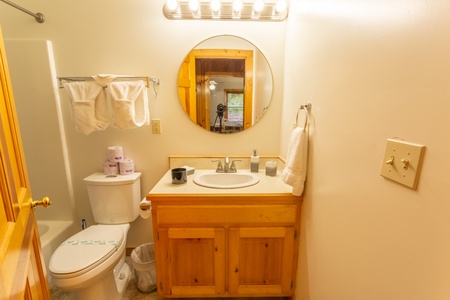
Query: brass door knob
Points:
[45, 202]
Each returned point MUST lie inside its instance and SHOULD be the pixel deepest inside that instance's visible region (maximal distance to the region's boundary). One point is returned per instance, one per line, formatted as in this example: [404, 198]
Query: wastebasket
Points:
[143, 258]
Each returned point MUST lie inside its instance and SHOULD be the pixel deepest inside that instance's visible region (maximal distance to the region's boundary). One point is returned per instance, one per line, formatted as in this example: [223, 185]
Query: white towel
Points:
[294, 173]
[104, 79]
[130, 104]
[89, 107]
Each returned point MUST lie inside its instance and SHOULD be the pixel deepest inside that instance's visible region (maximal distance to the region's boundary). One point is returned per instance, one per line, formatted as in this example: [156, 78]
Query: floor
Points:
[132, 293]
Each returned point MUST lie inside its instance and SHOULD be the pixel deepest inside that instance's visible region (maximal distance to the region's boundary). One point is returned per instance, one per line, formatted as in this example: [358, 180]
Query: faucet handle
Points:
[233, 166]
[219, 165]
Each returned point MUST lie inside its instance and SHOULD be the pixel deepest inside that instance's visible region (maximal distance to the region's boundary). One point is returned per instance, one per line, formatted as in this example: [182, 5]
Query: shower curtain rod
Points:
[37, 16]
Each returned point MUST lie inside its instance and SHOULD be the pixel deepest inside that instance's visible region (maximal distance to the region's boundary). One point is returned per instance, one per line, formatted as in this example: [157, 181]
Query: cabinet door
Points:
[193, 261]
[261, 260]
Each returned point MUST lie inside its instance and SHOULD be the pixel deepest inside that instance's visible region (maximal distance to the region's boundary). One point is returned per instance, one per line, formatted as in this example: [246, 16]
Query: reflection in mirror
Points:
[225, 84]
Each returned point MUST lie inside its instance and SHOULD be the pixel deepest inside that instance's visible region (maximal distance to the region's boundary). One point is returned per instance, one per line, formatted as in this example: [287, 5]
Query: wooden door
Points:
[192, 261]
[186, 79]
[261, 261]
[203, 101]
[22, 274]
[201, 86]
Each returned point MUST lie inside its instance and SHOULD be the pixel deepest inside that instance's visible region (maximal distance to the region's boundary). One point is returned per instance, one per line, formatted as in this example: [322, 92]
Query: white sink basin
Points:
[226, 180]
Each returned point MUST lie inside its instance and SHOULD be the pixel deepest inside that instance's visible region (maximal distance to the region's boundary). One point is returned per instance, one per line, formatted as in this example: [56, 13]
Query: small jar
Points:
[271, 168]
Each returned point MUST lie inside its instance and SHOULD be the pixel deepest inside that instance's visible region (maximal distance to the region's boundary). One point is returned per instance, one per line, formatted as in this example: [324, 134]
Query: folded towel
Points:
[294, 173]
[130, 104]
[104, 79]
[89, 107]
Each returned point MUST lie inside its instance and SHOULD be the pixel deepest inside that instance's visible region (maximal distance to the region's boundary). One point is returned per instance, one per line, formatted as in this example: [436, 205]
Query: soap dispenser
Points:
[254, 162]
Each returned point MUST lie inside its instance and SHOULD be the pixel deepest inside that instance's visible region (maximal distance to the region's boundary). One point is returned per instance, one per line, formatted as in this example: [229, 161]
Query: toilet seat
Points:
[85, 250]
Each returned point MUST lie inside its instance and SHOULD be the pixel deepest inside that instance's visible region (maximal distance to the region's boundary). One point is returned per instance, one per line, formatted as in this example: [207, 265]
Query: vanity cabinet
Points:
[225, 245]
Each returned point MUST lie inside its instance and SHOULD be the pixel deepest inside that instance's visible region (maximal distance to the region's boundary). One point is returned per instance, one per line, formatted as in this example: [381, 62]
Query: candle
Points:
[271, 168]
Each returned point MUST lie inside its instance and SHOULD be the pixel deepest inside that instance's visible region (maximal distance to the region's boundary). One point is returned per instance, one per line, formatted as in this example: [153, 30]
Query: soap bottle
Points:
[254, 162]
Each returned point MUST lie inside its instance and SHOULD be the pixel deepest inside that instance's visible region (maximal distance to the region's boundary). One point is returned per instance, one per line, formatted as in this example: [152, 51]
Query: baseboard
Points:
[129, 250]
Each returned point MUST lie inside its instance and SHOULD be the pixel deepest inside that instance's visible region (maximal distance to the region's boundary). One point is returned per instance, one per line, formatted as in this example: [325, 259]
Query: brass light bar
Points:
[226, 12]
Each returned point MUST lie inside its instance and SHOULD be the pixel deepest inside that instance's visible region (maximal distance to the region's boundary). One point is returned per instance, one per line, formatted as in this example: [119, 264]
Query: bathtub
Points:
[52, 234]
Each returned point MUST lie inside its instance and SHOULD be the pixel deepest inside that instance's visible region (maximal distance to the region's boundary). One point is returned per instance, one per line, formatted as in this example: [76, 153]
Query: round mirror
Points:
[225, 84]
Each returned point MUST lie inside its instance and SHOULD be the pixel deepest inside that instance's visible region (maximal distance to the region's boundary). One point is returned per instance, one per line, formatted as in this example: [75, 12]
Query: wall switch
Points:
[156, 126]
[402, 162]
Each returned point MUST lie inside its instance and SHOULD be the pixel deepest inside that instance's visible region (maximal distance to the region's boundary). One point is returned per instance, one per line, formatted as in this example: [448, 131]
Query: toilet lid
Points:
[86, 249]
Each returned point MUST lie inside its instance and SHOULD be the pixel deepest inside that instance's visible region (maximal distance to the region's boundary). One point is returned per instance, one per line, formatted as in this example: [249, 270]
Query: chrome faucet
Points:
[226, 167]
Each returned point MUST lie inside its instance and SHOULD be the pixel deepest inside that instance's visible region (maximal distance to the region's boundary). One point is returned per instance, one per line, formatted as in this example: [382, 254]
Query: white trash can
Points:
[143, 258]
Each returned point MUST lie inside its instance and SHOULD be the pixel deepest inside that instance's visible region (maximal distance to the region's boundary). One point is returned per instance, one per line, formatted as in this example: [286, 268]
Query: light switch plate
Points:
[402, 162]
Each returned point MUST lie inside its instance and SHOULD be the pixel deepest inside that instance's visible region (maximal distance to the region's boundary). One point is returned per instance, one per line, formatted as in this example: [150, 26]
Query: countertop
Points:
[266, 185]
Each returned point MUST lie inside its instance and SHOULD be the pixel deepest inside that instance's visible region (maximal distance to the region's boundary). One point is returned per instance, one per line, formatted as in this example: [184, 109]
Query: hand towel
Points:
[89, 107]
[130, 104]
[294, 173]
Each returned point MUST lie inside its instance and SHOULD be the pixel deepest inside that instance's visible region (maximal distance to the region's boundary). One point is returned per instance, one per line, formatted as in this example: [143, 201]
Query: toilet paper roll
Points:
[126, 166]
[145, 209]
[115, 153]
[111, 168]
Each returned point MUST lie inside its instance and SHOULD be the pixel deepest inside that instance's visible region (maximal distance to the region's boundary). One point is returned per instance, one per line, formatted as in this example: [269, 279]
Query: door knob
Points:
[45, 202]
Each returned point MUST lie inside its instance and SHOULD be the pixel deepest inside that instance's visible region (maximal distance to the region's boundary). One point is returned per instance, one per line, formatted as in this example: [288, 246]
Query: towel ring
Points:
[307, 108]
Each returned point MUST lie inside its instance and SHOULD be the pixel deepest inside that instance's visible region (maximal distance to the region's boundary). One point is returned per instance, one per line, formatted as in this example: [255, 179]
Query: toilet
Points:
[91, 263]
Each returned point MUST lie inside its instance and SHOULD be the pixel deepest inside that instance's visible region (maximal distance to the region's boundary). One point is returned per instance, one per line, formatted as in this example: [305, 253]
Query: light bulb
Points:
[212, 86]
[258, 6]
[237, 6]
[172, 4]
[280, 6]
[194, 5]
[215, 5]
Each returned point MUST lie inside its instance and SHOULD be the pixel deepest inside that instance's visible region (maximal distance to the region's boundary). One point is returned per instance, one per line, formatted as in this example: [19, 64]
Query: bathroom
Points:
[373, 70]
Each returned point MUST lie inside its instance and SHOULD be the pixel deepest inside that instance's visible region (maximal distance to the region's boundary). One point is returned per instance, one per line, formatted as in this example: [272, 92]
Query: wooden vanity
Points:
[225, 243]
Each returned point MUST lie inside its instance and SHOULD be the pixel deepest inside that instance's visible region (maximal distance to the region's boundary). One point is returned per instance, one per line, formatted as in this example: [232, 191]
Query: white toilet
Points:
[92, 262]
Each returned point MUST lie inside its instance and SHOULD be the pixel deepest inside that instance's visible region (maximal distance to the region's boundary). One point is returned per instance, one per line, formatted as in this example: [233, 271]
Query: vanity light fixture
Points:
[280, 6]
[194, 5]
[240, 10]
[258, 6]
[237, 6]
[172, 5]
[215, 6]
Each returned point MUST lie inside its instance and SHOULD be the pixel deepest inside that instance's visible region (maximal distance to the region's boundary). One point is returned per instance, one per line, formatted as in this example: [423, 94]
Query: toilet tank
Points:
[114, 200]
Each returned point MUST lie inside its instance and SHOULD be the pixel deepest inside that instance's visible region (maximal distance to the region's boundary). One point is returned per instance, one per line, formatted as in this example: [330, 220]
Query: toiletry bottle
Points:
[254, 162]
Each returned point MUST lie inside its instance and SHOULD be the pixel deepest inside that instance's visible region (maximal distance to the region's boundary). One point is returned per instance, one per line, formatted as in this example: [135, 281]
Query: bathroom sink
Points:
[226, 180]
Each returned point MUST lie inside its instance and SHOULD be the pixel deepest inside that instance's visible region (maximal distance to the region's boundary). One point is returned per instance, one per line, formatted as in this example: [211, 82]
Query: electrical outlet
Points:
[156, 126]
[402, 162]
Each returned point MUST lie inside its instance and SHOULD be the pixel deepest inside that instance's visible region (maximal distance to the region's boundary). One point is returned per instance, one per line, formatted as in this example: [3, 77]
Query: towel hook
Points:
[307, 108]
[155, 81]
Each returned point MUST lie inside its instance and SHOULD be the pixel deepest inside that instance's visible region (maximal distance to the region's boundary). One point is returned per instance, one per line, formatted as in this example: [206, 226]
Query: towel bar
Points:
[154, 81]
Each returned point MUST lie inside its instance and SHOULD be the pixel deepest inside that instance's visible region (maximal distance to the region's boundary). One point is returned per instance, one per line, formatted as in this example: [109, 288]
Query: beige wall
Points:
[373, 70]
[133, 37]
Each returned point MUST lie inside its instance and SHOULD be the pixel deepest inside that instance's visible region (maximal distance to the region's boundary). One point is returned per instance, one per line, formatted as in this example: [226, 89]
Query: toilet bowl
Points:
[92, 263]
